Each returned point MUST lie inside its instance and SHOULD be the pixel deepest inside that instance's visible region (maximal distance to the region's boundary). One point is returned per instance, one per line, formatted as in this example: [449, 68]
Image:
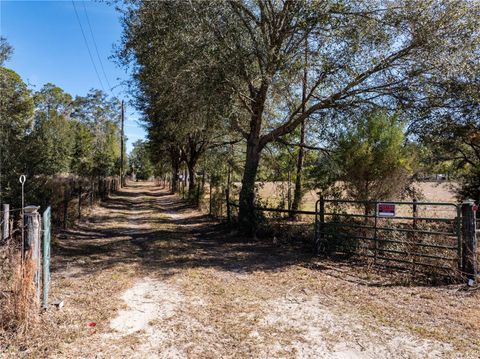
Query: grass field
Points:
[272, 194]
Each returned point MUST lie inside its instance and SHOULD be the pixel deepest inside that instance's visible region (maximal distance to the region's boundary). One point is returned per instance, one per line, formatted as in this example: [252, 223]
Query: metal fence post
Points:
[33, 248]
[6, 222]
[321, 223]
[469, 242]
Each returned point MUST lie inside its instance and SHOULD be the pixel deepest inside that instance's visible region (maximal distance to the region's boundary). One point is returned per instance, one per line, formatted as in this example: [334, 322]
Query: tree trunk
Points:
[246, 215]
[298, 193]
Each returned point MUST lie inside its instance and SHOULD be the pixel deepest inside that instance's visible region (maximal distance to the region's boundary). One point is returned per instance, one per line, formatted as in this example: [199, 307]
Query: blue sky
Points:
[49, 47]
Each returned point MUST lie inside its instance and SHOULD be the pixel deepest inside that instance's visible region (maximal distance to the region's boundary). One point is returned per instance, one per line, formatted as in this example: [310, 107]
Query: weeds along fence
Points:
[24, 266]
[25, 238]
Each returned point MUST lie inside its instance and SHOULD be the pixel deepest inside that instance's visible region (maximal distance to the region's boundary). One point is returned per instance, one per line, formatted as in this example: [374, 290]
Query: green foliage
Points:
[16, 110]
[242, 66]
[17, 103]
[51, 141]
[370, 159]
[49, 134]
[82, 149]
[139, 161]
[106, 155]
[99, 115]
[451, 132]
[5, 50]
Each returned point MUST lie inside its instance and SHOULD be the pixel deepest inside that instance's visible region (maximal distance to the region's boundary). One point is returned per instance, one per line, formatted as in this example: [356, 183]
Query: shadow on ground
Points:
[160, 233]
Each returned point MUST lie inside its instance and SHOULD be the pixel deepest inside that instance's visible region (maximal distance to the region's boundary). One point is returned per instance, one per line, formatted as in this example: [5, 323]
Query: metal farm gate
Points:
[418, 236]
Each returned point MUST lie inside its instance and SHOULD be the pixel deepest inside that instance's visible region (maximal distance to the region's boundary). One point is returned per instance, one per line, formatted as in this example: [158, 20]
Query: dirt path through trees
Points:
[149, 277]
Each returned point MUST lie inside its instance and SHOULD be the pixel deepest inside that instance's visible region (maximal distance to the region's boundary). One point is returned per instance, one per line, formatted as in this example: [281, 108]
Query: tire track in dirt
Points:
[197, 291]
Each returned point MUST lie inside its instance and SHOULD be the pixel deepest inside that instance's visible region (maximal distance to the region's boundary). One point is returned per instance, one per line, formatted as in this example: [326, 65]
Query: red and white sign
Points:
[385, 210]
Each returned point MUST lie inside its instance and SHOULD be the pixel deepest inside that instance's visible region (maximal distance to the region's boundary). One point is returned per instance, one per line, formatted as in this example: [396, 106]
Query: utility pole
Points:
[121, 146]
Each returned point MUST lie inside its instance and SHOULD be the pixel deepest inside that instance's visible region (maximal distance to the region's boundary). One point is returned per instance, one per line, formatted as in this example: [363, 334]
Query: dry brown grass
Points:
[26, 307]
[89, 291]
[446, 314]
[20, 309]
[272, 192]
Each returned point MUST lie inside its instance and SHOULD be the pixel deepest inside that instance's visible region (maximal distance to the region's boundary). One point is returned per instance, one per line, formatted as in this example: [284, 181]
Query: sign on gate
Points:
[386, 210]
[46, 254]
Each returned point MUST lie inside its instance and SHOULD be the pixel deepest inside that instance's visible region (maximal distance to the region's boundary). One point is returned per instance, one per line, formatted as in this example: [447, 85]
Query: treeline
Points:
[357, 94]
[47, 134]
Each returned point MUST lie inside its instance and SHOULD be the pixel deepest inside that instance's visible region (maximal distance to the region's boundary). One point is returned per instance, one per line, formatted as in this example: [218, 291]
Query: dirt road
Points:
[146, 276]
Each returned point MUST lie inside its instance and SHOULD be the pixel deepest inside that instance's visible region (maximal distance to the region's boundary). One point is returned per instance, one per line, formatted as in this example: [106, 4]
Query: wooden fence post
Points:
[219, 199]
[469, 242]
[227, 195]
[33, 248]
[47, 235]
[289, 190]
[184, 184]
[92, 190]
[415, 213]
[198, 194]
[100, 188]
[210, 198]
[80, 200]
[6, 222]
[66, 200]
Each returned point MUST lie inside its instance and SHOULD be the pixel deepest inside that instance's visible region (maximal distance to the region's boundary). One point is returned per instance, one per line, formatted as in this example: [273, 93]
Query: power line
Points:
[86, 44]
[96, 48]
